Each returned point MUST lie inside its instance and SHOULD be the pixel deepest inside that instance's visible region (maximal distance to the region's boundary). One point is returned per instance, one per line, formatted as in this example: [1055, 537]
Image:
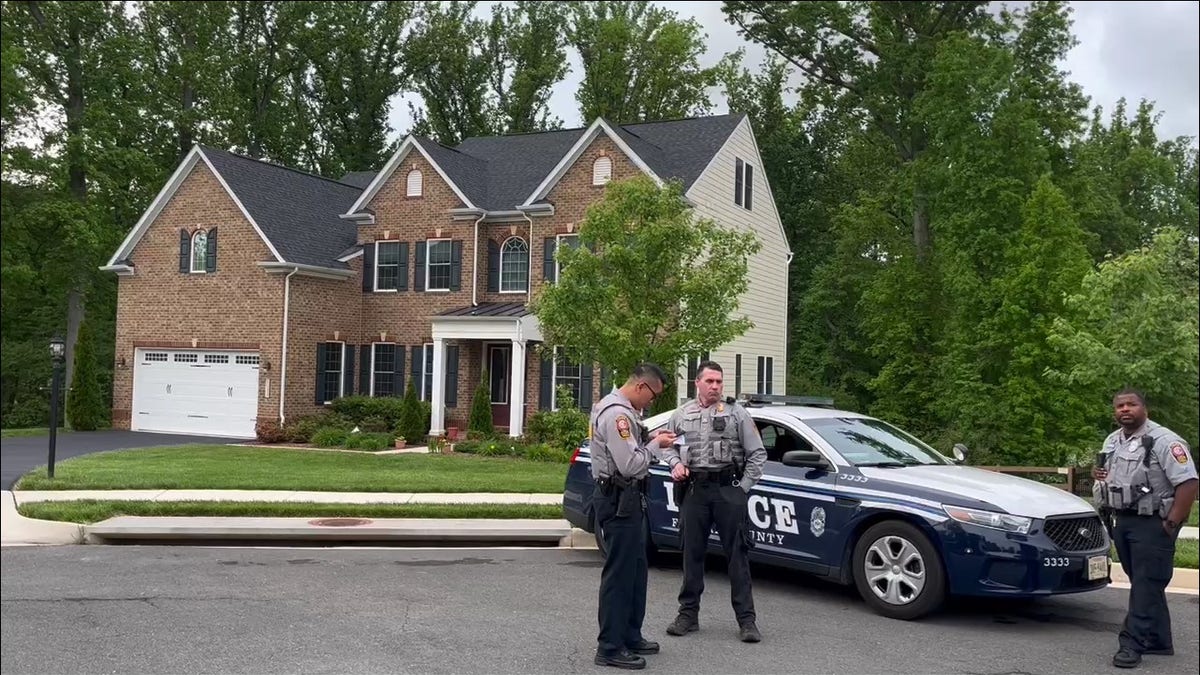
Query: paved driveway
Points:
[21, 455]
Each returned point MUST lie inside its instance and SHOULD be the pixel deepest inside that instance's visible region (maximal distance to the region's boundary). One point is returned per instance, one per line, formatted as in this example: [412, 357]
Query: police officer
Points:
[620, 464]
[724, 459]
[1145, 477]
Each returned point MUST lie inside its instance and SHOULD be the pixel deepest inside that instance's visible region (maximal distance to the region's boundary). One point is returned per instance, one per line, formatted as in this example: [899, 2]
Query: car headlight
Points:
[992, 519]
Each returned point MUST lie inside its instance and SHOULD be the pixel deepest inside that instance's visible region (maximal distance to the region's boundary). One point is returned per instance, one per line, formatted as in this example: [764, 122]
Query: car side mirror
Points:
[805, 459]
[960, 453]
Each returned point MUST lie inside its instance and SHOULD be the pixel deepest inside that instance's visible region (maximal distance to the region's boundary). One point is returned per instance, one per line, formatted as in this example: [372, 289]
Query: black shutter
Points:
[455, 265]
[398, 375]
[368, 267]
[737, 376]
[585, 388]
[419, 268]
[548, 260]
[737, 183]
[451, 376]
[761, 383]
[493, 267]
[402, 272]
[366, 363]
[320, 392]
[348, 370]
[185, 246]
[691, 377]
[749, 186]
[418, 360]
[545, 390]
[606, 374]
[210, 262]
[770, 373]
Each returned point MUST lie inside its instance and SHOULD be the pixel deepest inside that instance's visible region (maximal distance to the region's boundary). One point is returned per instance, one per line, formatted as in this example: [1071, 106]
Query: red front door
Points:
[499, 361]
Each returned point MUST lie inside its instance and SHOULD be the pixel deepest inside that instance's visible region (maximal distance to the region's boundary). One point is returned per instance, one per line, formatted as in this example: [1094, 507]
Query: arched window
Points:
[601, 171]
[415, 183]
[514, 266]
[200, 251]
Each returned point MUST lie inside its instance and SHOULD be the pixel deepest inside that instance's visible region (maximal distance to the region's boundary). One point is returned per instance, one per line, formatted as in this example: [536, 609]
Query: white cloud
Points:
[1149, 50]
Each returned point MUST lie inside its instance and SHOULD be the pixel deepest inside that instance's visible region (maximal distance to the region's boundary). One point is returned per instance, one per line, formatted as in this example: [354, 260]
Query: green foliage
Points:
[85, 402]
[413, 426]
[379, 413]
[302, 429]
[268, 431]
[481, 409]
[371, 442]
[650, 282]
[506, 447]
[329, 437]
[562, 429]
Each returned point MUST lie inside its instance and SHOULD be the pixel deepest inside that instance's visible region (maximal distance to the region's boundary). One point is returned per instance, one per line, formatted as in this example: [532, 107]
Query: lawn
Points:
[92, 510]
[34, 431]
[1192, 519]
[1187, 553]
[218, 467]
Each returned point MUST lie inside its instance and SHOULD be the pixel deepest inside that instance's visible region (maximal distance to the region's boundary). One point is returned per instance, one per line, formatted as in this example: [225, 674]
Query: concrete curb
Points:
[18, 530]
[1183, 580]
[29, 496]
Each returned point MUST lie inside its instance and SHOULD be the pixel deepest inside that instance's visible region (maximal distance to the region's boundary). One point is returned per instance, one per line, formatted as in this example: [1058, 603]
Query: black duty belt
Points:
[724, 475]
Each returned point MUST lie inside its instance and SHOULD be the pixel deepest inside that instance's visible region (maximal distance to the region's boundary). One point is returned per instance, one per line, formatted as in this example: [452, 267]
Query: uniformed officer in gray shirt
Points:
[620, 464]
[1146, 476]
[719, 456]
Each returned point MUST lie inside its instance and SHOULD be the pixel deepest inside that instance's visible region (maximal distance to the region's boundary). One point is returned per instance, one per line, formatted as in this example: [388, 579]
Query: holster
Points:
[680, 489]
[629, 495]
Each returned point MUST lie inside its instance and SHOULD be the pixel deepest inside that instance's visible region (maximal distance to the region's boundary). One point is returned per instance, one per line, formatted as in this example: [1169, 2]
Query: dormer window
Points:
[601, 171]
[415, 183]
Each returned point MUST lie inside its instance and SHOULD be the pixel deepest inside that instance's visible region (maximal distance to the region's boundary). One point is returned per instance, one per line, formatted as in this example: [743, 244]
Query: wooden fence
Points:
[1068, 471]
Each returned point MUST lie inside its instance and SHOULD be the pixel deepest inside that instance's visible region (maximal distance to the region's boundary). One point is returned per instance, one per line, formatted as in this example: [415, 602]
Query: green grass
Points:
[219, 467]
[33, 431]
[1187, 553]
[1193, 520]
[93, 510]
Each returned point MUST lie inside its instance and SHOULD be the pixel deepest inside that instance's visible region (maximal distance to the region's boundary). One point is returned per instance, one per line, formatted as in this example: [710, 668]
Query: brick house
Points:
[250, 291]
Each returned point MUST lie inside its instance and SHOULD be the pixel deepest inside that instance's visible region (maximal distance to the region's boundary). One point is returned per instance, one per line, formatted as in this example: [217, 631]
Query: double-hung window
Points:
[387, 265]
[437, 265]
[383, 370]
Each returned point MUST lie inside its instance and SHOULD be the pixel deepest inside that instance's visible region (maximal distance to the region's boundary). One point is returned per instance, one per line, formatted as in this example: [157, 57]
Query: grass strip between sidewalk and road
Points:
[21, 433]
[227, 467]
[94, 510]
[1187, 553]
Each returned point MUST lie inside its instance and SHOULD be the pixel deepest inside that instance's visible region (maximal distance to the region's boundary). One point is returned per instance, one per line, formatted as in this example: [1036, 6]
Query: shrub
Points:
[563, 429]
[85, 400]
[359, 409]
[329, 437]
[481, 409]
[410, 425]
[301, 429]
[373, 442]
[499, 447]
[374, 424]
[268, 431]
[544, 453]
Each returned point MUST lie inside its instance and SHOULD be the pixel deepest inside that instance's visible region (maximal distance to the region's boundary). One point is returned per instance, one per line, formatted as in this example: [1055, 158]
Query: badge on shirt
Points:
[623, 426]
[1179, 452]
[720, 407]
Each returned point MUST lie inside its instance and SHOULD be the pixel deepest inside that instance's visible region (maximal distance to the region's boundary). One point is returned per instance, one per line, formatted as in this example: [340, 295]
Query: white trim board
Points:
[388, 169]
[576, 150]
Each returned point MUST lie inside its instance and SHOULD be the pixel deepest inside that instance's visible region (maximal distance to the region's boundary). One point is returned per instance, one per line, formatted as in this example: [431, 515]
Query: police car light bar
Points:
[811, 401]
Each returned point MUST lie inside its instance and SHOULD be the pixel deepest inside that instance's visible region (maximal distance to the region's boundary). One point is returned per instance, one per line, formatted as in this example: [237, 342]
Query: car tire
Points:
[897, 571]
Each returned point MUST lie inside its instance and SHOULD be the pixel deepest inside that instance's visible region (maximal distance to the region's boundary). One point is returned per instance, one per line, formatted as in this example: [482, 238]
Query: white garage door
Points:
[208, 393]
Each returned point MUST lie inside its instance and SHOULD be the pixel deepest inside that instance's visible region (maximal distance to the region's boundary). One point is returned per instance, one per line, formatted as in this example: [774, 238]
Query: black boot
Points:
[622, 659]
[683, 625]
[749, 633]
[1126, 658]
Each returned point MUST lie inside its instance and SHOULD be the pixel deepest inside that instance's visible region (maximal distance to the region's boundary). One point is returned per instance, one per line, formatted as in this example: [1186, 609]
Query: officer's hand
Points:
[665, 438]
[679, 471]
[1099, 474]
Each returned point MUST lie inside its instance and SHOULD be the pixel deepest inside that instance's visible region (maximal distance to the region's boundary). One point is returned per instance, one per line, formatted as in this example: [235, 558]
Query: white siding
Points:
[765, 301]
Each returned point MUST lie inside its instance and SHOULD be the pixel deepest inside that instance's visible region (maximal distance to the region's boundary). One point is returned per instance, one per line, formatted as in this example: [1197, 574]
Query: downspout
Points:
[287, 294]
[529, 275]
[475, 264]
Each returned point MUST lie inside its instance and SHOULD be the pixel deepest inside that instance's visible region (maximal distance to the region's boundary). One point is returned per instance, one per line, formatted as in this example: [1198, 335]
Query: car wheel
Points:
[898, 572]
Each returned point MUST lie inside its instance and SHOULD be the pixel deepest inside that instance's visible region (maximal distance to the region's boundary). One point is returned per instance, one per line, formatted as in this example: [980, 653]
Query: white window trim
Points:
[554, 382]
[375, 285]
[420, 184]
[558, 239]
[428, 256]
[373, 345]
[753, 170]
[426, 369]
[192, 253]
[528, 258]
[341, 381]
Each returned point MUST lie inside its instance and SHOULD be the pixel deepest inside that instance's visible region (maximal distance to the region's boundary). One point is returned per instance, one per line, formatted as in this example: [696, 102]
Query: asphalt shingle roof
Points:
[298, 212]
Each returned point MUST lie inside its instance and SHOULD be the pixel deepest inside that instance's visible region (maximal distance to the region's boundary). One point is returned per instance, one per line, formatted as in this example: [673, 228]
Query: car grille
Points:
[1084, 533]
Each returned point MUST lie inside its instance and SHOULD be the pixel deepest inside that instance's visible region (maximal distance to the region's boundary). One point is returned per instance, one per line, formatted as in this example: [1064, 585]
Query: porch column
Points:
[516, 397]
[437, 419]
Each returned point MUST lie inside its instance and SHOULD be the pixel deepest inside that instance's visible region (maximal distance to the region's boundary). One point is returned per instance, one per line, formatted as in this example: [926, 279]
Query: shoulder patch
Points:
[623, 426]
[1179, 452]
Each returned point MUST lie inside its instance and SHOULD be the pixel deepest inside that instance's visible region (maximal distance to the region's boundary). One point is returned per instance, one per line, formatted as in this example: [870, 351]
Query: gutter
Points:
[529, 274]
[475, 264]
[287, 295]
[307, 270]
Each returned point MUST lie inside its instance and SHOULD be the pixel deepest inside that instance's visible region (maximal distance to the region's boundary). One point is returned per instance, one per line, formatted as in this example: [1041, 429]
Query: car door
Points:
[794, 512]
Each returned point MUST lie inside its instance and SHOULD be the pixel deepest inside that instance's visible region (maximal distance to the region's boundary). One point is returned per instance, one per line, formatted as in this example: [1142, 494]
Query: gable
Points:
[598, 128]
[410, 145]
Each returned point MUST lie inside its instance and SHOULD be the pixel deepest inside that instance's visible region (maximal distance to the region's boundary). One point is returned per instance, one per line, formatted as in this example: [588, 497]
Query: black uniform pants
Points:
[1147, 555]
[623, 579]
[709, 503]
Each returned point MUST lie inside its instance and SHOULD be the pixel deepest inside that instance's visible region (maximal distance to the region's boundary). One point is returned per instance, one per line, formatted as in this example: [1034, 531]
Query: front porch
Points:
[491, 337]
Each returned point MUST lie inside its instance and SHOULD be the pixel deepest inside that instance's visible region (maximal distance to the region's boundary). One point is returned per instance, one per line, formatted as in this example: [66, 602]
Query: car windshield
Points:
[870, 442]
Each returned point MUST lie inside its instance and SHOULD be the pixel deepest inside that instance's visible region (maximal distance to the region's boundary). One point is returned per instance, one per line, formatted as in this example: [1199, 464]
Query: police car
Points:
[856, 500]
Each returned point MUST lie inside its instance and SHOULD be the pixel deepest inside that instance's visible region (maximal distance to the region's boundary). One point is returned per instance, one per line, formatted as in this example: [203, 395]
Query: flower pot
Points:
[399, 443]
[452, 433]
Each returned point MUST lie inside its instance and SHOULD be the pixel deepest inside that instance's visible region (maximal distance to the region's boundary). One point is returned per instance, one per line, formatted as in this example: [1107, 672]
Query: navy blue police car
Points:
[856, 500]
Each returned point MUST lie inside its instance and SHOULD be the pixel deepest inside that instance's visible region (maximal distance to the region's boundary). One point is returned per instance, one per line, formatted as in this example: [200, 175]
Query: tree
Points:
[528, 43]
[481, 409]
[1135, 321]
[86, 410]
[641, 62]
[412, 424]
[649, 282]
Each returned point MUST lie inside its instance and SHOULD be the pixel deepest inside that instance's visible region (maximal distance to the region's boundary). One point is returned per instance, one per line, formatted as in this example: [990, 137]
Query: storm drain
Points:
[339, 522]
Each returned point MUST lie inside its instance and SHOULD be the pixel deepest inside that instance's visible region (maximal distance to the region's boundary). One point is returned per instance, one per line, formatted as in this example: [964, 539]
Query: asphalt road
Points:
[96, 609]
[19, 456]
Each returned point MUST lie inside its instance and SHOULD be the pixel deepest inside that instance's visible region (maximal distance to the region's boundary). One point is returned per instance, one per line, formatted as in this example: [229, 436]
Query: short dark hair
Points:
[1130, 391]
[643, 370]
[708, 365]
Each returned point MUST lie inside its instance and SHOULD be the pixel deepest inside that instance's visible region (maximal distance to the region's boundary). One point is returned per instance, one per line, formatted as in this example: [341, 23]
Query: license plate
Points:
[1097, 567]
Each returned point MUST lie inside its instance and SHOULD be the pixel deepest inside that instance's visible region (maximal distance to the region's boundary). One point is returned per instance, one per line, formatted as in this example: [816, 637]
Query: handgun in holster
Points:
[629, 495]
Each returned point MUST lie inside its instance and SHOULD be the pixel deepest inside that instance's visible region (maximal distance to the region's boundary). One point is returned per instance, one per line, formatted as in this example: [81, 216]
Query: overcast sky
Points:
[1148, 50]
